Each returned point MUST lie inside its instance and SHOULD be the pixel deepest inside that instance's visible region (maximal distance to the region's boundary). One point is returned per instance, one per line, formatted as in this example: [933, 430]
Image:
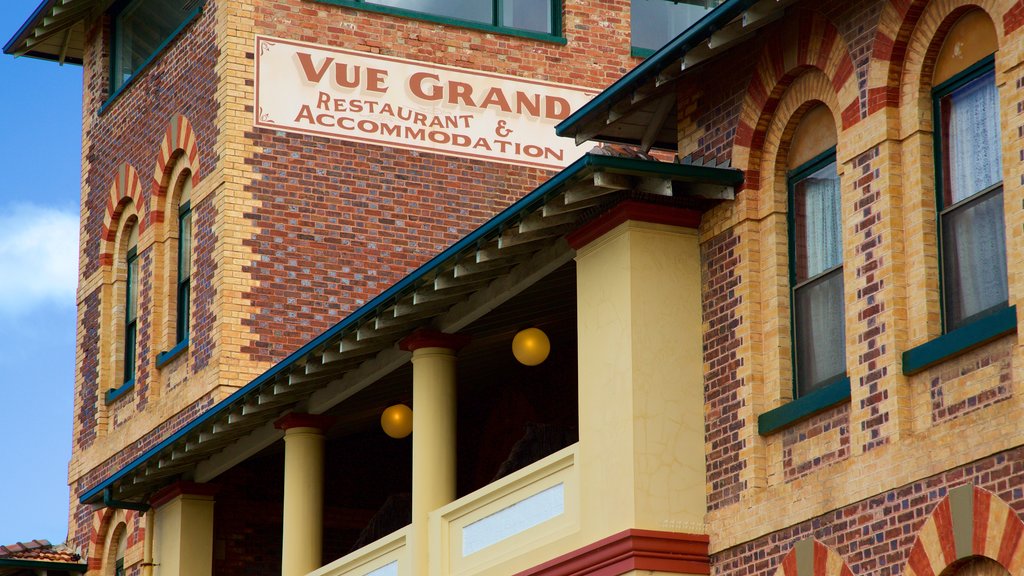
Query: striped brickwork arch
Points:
[812, 558]
[807, 42]
[126, 188]
[179, 142]
[969, 521]
[908, 29]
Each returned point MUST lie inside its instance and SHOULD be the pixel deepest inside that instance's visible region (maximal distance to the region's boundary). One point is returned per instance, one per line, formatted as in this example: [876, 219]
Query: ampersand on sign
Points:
[502, 130]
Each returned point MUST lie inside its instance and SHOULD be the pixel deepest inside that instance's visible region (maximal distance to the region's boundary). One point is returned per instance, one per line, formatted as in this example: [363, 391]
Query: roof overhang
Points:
[509, 253]
[54, 31]
[18, 566]
[640, 108]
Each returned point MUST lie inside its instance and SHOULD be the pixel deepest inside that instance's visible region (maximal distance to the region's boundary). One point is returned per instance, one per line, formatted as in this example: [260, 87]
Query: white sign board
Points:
[364, 97]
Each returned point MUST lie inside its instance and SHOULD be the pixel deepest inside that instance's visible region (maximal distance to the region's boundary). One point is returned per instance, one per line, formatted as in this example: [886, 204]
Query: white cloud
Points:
[38, 258]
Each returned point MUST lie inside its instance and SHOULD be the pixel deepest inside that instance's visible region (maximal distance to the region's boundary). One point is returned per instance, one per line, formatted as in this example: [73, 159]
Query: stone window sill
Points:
[960, 341]
[796, 410]
[164, 357]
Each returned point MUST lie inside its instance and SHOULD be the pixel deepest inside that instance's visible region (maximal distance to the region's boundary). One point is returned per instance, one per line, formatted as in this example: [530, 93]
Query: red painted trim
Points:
[303, 420]
[165, 495]
[424, 338]
[632, 550]
[636, 211]
[982, 501]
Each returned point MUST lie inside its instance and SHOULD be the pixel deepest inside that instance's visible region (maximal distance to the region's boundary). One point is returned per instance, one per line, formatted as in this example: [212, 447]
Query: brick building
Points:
[791, 348]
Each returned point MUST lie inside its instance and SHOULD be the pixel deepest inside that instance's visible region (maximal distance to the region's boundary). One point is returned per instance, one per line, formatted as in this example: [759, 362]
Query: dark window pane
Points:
[130, 314]
[471, 10]
[974, 259]
[818, 221]
[184, 274]
[139, 30]
[533, 15]
[972, 157]
[820, 333]
[654, 22]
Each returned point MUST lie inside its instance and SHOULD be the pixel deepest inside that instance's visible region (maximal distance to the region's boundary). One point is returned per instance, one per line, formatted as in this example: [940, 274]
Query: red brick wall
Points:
[875, 536]
[339, 222]
[722, 387]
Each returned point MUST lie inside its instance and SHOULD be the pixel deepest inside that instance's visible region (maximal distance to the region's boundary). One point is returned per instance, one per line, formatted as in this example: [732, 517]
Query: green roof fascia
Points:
[700, 31]
[673, 171]
[43, 565]
[586, 165]
[490, 229]
[34, 20]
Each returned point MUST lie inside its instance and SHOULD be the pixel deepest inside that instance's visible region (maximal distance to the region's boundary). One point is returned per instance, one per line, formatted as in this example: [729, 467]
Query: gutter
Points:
[700, 31]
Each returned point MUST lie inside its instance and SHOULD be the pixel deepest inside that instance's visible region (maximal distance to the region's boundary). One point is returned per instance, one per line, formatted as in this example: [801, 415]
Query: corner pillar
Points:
[302, 541]
[433, 430]
[182, 524]
[641, 376]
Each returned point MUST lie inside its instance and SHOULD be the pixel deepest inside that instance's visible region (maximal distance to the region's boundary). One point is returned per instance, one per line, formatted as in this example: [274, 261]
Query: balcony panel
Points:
[488, 530]
[388, 556]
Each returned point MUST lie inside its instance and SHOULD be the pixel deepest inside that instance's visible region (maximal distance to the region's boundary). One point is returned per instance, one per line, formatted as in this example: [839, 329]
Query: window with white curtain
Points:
[972, 232]
[816, 274]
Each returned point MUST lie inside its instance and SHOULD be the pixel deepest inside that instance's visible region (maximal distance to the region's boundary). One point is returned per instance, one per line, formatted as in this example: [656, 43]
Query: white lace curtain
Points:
[975, 157]
[974, 235]
[823, 221]
[821, 353]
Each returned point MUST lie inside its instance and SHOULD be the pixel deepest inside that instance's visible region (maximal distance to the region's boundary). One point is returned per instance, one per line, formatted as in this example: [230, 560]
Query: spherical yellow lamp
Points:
[397, 421]
[531, 346]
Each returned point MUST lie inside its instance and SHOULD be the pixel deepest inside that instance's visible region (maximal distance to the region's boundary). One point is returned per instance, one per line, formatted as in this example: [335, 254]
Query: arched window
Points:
[184, 276]
[969, 174]
[976, 566]
[122, 547]
[816, 254]
[131, 303]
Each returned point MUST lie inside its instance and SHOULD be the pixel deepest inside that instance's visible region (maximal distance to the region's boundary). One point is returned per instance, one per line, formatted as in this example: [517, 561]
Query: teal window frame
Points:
[115, 10]
[792, 178]
[183, 291]
[130, 327]
[835, 390]
[555, 36]
[184, 295]
[957, 81]
[640, 52]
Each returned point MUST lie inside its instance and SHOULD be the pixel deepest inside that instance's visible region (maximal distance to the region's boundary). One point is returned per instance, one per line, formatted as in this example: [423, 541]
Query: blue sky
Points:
[40, 157]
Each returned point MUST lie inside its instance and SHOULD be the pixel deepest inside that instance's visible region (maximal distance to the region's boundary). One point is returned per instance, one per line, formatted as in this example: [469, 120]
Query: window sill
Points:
[164, 357]
[152, 58]
[543, 37]
[792, 412]
[115, 393]
[959, 341]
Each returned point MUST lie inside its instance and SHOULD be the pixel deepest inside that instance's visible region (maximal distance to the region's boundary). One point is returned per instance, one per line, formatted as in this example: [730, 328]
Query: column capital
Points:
[426, 338]
[303, 420]
[182, 488]
[636, 211]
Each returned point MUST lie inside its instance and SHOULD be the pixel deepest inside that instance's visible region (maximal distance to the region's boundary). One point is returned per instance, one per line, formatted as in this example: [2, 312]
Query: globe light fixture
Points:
[397, 421]
[531, 346]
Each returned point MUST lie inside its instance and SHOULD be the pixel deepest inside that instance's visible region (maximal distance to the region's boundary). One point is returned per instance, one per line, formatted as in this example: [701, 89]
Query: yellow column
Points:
[182, 530]
[301, 548]
[433, 431]
[641, 397]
